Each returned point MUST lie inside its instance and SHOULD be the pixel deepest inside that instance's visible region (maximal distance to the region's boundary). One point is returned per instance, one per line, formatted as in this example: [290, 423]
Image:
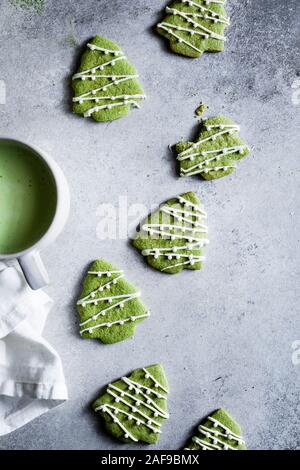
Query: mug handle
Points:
[34, 270]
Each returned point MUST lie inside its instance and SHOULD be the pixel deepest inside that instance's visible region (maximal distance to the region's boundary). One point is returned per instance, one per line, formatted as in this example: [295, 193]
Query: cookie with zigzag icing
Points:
[173, 238]
[134, 408]
[109, 307]
[218, 431]
[106, 85]
[195, 26]
[216, 151]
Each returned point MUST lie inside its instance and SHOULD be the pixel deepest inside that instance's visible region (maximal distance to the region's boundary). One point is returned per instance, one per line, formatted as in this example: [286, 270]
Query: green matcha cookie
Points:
[194, 27]
[173, 237]
[215, 152]
[109, 307]
[135, 407]
[106, 85]
[218, 432]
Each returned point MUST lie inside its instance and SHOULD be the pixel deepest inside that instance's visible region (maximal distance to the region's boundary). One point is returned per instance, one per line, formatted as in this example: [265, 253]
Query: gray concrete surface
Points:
[224, 334]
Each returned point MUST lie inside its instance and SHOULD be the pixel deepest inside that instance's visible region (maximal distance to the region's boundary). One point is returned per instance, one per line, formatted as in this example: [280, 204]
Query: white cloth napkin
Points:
[31, 374]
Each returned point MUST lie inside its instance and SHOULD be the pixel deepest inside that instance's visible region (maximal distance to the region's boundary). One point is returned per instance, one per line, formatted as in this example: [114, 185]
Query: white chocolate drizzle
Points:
[180, 39]
[197, 169]
[188, 226]
[117, 301]
[206, 15]
[93, 294]
[229, 434]
[114, 80]
[109, 299]
[139, 407]
[83, 75]
[224, 129]
[204, 9]
[136, 386]
[104, 273]
[120, 322]
[215, 155]
[214, 433]
[93, 47]
[92, 93]
[206, 32]
[127, 434]
[129, 416]
[156, 383]
[110, 106]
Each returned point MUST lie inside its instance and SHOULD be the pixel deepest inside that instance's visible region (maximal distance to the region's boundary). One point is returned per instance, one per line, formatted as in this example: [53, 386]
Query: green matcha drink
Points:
[27, 197]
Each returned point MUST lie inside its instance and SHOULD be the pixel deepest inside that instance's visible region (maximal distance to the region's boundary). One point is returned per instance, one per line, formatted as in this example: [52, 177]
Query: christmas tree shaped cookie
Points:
[106, 85]
[135, 407]
[173, 237]
[216, 151]
[109, 307]
[218, 432]
[194, 27]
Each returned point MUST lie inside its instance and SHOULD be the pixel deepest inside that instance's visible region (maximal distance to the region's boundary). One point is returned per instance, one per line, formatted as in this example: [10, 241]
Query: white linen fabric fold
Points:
[31, 374]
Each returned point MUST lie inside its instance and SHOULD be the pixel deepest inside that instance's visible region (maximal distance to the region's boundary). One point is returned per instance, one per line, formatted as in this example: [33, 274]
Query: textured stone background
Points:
[224, 334]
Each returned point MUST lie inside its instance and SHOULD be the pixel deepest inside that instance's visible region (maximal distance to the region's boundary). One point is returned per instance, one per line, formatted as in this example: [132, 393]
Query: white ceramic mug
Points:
[29, 259]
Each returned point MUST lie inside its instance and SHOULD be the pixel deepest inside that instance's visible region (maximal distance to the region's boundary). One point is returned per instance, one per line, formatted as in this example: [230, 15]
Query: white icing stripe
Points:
[173, 212]
[207, 2]
[206, 169]
[206, 31]
[215, 440]
[93, 47]
[213, 137]
[157, 384]
[226, 429]
[192, 32]
[205, 16]
[180, 39]
[230, 436]
[156, 252]
[222, 151]
[82, 75]
[191, 263]
[189, 172]
[101, 289]
[117, 421]
[119, 398]
[191, 204]
[95, 76]
[104, 312]
[109, 299]
[205, 445]
[180, 228]
[180, 232]
[193, 258]
[150, 404]
[117, 322]
[129, 416]
[110, 98]
[110, 106]
[149, 401]
[172, 236]
[104, 273]
[131, 382]
[203, 9]
[104, 87]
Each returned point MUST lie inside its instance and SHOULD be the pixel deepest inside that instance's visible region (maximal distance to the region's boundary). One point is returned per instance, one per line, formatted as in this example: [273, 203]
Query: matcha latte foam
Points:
[28, 197]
